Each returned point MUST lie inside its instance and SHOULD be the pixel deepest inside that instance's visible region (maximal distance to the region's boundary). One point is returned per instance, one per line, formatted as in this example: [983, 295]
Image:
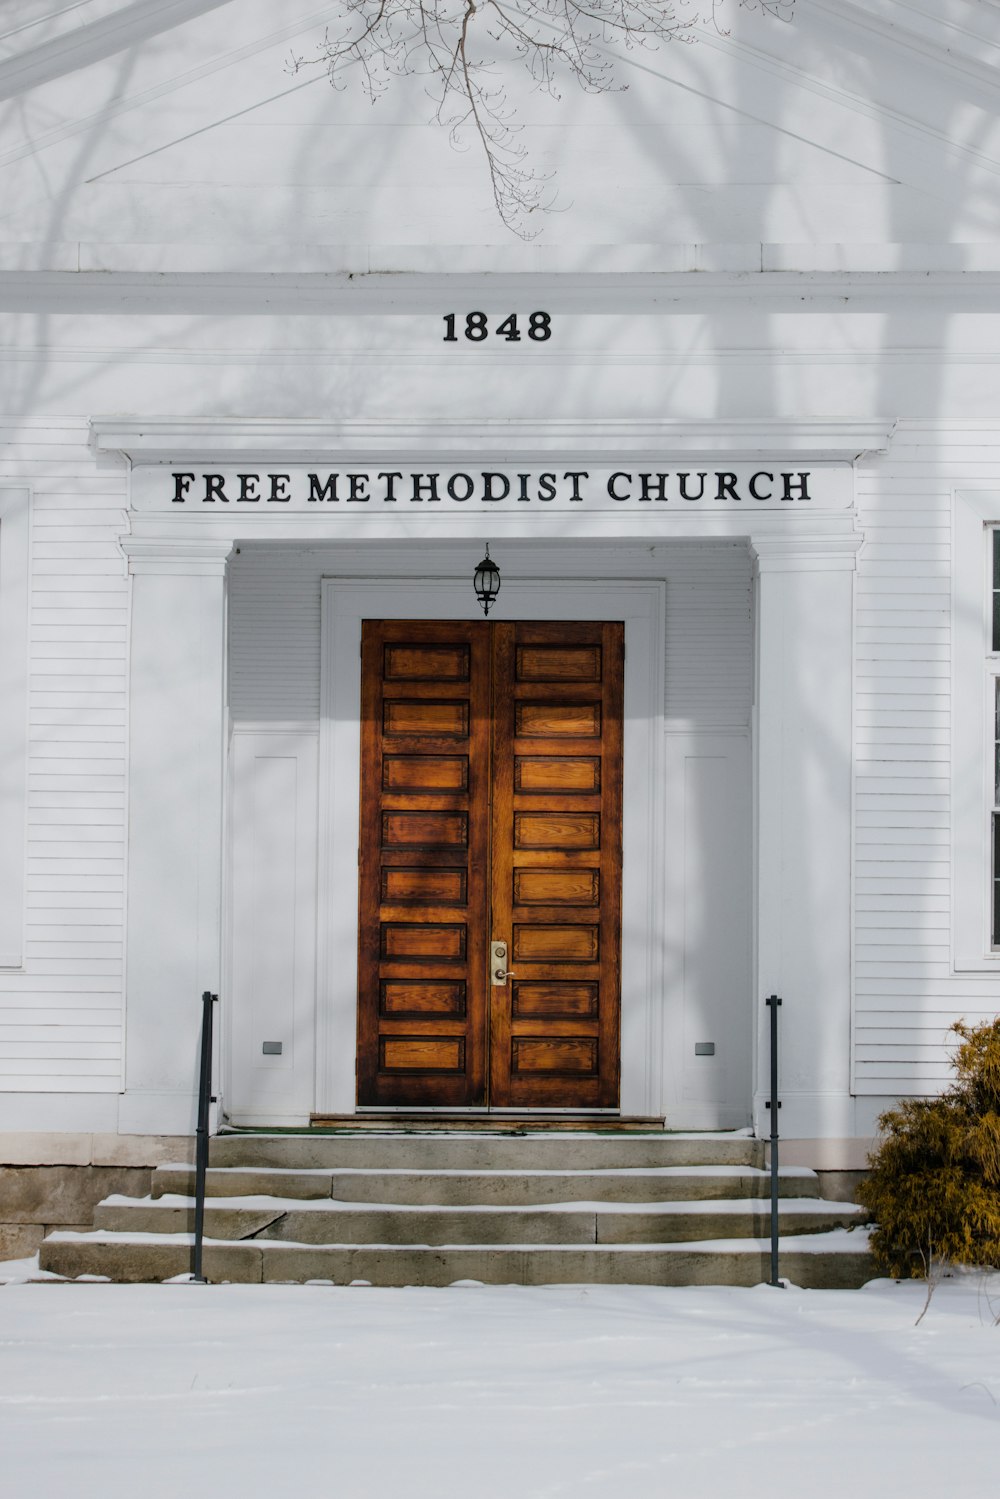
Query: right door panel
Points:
[556, 864]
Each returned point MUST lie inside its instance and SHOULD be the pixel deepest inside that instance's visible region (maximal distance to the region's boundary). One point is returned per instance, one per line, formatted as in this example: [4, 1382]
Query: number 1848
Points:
[477, 328]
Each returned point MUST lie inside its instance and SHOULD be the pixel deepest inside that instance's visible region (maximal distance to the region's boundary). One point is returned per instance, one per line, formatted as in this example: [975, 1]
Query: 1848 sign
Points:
[669, 490]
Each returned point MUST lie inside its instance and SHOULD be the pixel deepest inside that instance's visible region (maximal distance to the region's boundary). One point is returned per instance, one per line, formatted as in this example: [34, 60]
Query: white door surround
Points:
[346, 601]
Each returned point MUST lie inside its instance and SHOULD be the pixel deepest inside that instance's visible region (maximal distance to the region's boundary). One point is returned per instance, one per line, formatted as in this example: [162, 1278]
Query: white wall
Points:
[274, 701]
[190, 145]
[61, 1015]
[908, 992]
[706, 919]
[271, 994]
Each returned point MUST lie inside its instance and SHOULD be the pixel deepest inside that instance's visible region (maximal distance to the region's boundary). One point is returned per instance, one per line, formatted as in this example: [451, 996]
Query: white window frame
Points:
[15, 540]
[975, 667]
[993, 717]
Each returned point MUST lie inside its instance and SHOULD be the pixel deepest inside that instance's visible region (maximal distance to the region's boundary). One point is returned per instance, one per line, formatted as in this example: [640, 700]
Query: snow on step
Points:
[807, 1261]
[572, 1222]
[424, 1210]
[460, 1187]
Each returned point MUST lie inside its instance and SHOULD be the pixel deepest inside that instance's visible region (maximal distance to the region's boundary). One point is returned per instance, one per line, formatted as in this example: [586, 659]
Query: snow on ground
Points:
[501, 1392]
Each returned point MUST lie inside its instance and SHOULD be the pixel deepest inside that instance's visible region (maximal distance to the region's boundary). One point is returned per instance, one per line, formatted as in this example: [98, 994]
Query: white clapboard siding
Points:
[709, 640]
[61, 1018]
[906, 993]
[274, 632]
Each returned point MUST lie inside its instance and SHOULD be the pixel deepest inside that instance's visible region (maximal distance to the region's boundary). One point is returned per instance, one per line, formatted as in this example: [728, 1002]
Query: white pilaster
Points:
[803, 874]
[176, 757]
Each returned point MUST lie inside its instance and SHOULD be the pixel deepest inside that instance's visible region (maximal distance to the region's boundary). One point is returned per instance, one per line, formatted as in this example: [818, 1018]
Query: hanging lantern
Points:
[486, 581]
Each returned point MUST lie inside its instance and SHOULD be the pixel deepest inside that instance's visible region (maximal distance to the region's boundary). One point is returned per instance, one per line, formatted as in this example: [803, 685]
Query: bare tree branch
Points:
[461, 46]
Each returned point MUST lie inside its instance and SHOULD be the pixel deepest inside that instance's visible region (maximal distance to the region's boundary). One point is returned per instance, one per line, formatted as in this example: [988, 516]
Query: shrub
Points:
[934, 1187]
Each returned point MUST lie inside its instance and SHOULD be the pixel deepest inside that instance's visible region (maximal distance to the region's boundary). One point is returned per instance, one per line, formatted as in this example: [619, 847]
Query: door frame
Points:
[345, 602]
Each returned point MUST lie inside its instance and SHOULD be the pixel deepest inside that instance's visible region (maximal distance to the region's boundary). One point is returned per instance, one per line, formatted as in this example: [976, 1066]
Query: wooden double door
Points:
[490, 864]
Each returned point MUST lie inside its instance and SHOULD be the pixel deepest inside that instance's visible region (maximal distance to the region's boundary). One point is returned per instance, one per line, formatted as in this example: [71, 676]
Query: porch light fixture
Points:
[486, 581]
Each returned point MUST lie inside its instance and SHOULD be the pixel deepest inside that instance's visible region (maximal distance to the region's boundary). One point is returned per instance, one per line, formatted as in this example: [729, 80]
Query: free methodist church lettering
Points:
[300, 487]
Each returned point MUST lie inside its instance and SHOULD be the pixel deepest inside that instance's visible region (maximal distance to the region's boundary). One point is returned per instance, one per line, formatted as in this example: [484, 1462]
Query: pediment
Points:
[180, 131]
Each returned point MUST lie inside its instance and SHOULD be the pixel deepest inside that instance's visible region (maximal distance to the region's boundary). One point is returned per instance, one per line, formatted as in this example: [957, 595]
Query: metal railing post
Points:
[774, 1105]
[205, 1100]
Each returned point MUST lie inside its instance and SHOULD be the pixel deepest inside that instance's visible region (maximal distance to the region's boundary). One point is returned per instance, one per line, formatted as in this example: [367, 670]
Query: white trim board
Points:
[15, 509]
[176, 440]
[973, 512]
[345, 603]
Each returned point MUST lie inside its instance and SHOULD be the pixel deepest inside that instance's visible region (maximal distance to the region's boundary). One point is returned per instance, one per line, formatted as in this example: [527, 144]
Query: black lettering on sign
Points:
[799, 482]
[477, 327]
[425, 483]
[495, 487]
[327, 491]
[683, 478]
[467, 483]
[654, 486]
[488, 493]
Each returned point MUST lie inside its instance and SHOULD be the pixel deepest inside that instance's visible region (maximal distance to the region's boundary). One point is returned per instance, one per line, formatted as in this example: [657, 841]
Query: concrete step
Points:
[429, 1209]
[323, 1222]
[821, 1261]
[588, 1150]
[493, 1188]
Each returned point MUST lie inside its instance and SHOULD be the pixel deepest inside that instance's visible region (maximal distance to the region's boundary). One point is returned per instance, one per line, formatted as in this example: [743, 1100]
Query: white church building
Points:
[274, 373]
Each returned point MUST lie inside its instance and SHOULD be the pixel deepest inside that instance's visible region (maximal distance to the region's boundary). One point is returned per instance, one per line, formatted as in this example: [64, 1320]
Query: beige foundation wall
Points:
[55, 1181]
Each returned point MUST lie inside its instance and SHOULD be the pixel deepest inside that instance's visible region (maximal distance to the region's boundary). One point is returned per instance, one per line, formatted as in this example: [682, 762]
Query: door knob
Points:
[499, 972]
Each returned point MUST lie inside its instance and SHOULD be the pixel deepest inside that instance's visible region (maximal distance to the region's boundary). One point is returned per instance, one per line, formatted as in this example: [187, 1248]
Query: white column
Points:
[803, 818]
[176, 758]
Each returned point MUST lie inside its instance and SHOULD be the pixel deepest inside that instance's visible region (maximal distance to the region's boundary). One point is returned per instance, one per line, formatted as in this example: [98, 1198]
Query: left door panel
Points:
[424, 857]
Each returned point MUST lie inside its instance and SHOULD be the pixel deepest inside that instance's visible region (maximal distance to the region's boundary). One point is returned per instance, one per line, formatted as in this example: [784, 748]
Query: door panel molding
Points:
[563, 848]
[419, 846]
[345, 602]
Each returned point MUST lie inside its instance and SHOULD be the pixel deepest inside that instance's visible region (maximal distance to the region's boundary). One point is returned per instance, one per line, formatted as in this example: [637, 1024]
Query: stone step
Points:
[323, 1222]
[830, 1261]
[588, 1150]
[494, 1188]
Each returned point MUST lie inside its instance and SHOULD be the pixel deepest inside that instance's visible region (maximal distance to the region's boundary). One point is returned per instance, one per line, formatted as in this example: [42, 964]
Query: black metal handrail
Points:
[205, 1099]
[774, 1104]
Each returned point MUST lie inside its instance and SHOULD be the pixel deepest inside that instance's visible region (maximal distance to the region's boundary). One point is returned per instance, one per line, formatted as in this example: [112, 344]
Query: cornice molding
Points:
[334, 294]
[837, 551]
[178, 440]
[193, 556]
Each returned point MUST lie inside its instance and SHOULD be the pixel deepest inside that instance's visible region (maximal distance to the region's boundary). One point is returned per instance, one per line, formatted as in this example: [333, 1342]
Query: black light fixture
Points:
[486, 581]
